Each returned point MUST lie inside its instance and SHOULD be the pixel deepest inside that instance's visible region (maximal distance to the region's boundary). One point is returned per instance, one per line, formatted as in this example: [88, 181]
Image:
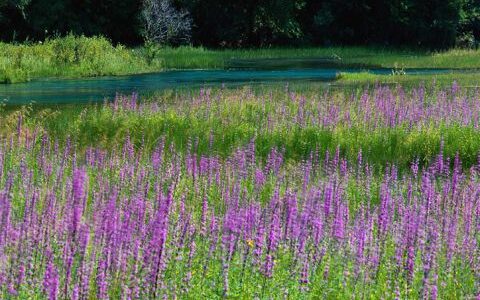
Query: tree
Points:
[116, 19]
[276, 21]
[3, 3]
[469, 29]
[246, 23]
[164, 24]
[12, 18]
[249, 23]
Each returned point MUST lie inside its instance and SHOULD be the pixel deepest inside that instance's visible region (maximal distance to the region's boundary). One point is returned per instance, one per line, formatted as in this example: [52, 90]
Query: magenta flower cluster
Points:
[138, 225]
[379, 107]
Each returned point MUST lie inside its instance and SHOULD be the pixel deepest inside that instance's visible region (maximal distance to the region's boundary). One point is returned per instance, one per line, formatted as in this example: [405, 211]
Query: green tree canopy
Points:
[247, 23]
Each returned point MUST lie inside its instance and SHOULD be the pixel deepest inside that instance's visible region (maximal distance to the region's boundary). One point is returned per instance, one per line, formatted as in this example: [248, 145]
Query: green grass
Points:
[69, 57]
[379, 147]
[189, 57]
[76, 57]
[466, 79]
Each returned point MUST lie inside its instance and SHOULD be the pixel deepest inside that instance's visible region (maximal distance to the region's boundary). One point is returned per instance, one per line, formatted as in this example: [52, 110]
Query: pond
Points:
[61, 91]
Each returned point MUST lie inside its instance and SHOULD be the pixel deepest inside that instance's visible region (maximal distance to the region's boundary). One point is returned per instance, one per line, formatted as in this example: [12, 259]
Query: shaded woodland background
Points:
[433, 24]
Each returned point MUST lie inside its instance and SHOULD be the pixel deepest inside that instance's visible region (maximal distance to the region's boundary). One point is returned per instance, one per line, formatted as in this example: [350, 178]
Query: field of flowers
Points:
[368, 195]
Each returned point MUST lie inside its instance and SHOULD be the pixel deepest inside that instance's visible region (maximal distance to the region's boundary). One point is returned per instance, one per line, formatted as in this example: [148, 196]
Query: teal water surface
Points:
[60, 91]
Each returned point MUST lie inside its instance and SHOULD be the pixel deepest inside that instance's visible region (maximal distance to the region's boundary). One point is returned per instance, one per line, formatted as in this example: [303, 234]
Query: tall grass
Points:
[192, 57]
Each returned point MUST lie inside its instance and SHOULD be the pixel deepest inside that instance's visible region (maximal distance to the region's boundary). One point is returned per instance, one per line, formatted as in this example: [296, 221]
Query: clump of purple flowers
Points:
[134, 225]
[379, 107]
[130, 223]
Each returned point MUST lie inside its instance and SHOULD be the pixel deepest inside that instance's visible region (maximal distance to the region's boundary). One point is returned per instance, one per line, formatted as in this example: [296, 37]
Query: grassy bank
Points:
[69, 57]
[466, 79]
[82, 57]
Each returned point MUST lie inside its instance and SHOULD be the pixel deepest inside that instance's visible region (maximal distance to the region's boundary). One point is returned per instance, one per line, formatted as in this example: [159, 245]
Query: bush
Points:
[70, 56]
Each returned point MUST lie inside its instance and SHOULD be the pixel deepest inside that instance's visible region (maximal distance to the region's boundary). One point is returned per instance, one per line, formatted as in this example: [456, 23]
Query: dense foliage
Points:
[423, 23]
[70, 56]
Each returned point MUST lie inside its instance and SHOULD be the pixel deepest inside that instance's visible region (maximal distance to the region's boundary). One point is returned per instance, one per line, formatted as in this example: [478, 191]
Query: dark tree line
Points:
[246, 23]
[37, 19]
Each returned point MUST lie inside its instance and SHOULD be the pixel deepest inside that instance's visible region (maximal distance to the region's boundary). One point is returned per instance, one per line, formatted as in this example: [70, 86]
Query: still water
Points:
[53, 91]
